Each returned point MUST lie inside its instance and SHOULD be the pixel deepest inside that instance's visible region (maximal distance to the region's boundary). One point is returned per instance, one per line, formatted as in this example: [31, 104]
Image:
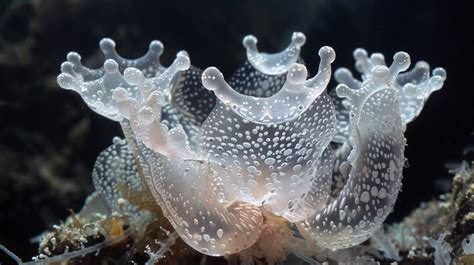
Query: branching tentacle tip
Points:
[74, 58]
[156, 47]
[422, 65]
[440, 71]
[342, 75]
[401, 62]
[182, 61]
[343, 91]
[274, 64]
[107, 45]
[250, 42]
[68, 68]
[211, 77]
[298, 39]
[297, 74]
[377, 59]
[327, 54]
[361, 60]
[111, 66]
[436, 82]
[360, 54]
[65, 81]
[183, 53]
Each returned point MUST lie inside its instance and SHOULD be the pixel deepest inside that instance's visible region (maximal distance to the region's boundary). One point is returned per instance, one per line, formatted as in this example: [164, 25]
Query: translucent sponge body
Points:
[219, 156]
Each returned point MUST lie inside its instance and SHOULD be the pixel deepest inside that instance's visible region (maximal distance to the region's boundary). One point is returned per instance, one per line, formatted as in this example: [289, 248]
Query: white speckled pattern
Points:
[227, 161]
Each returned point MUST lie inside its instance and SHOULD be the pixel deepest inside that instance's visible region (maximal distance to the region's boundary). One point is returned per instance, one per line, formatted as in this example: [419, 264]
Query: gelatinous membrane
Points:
[189, 103]
[249, 81]
[184, 190]
[114, 167]
[271, 161]
[316, 198]
[374, 180]
[270, 164]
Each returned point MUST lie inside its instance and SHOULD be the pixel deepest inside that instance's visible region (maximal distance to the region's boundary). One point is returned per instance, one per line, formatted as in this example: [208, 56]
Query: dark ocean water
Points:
[49, 139]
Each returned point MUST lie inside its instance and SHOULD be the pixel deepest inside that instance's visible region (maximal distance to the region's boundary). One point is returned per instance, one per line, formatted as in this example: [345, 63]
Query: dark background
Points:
[49, 139]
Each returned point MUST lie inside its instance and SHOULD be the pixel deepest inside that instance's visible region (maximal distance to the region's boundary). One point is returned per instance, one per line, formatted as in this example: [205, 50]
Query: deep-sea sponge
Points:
[232, 164]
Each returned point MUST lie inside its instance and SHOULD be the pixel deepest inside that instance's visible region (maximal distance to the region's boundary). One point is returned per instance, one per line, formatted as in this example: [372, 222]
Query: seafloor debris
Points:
[439, 225]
